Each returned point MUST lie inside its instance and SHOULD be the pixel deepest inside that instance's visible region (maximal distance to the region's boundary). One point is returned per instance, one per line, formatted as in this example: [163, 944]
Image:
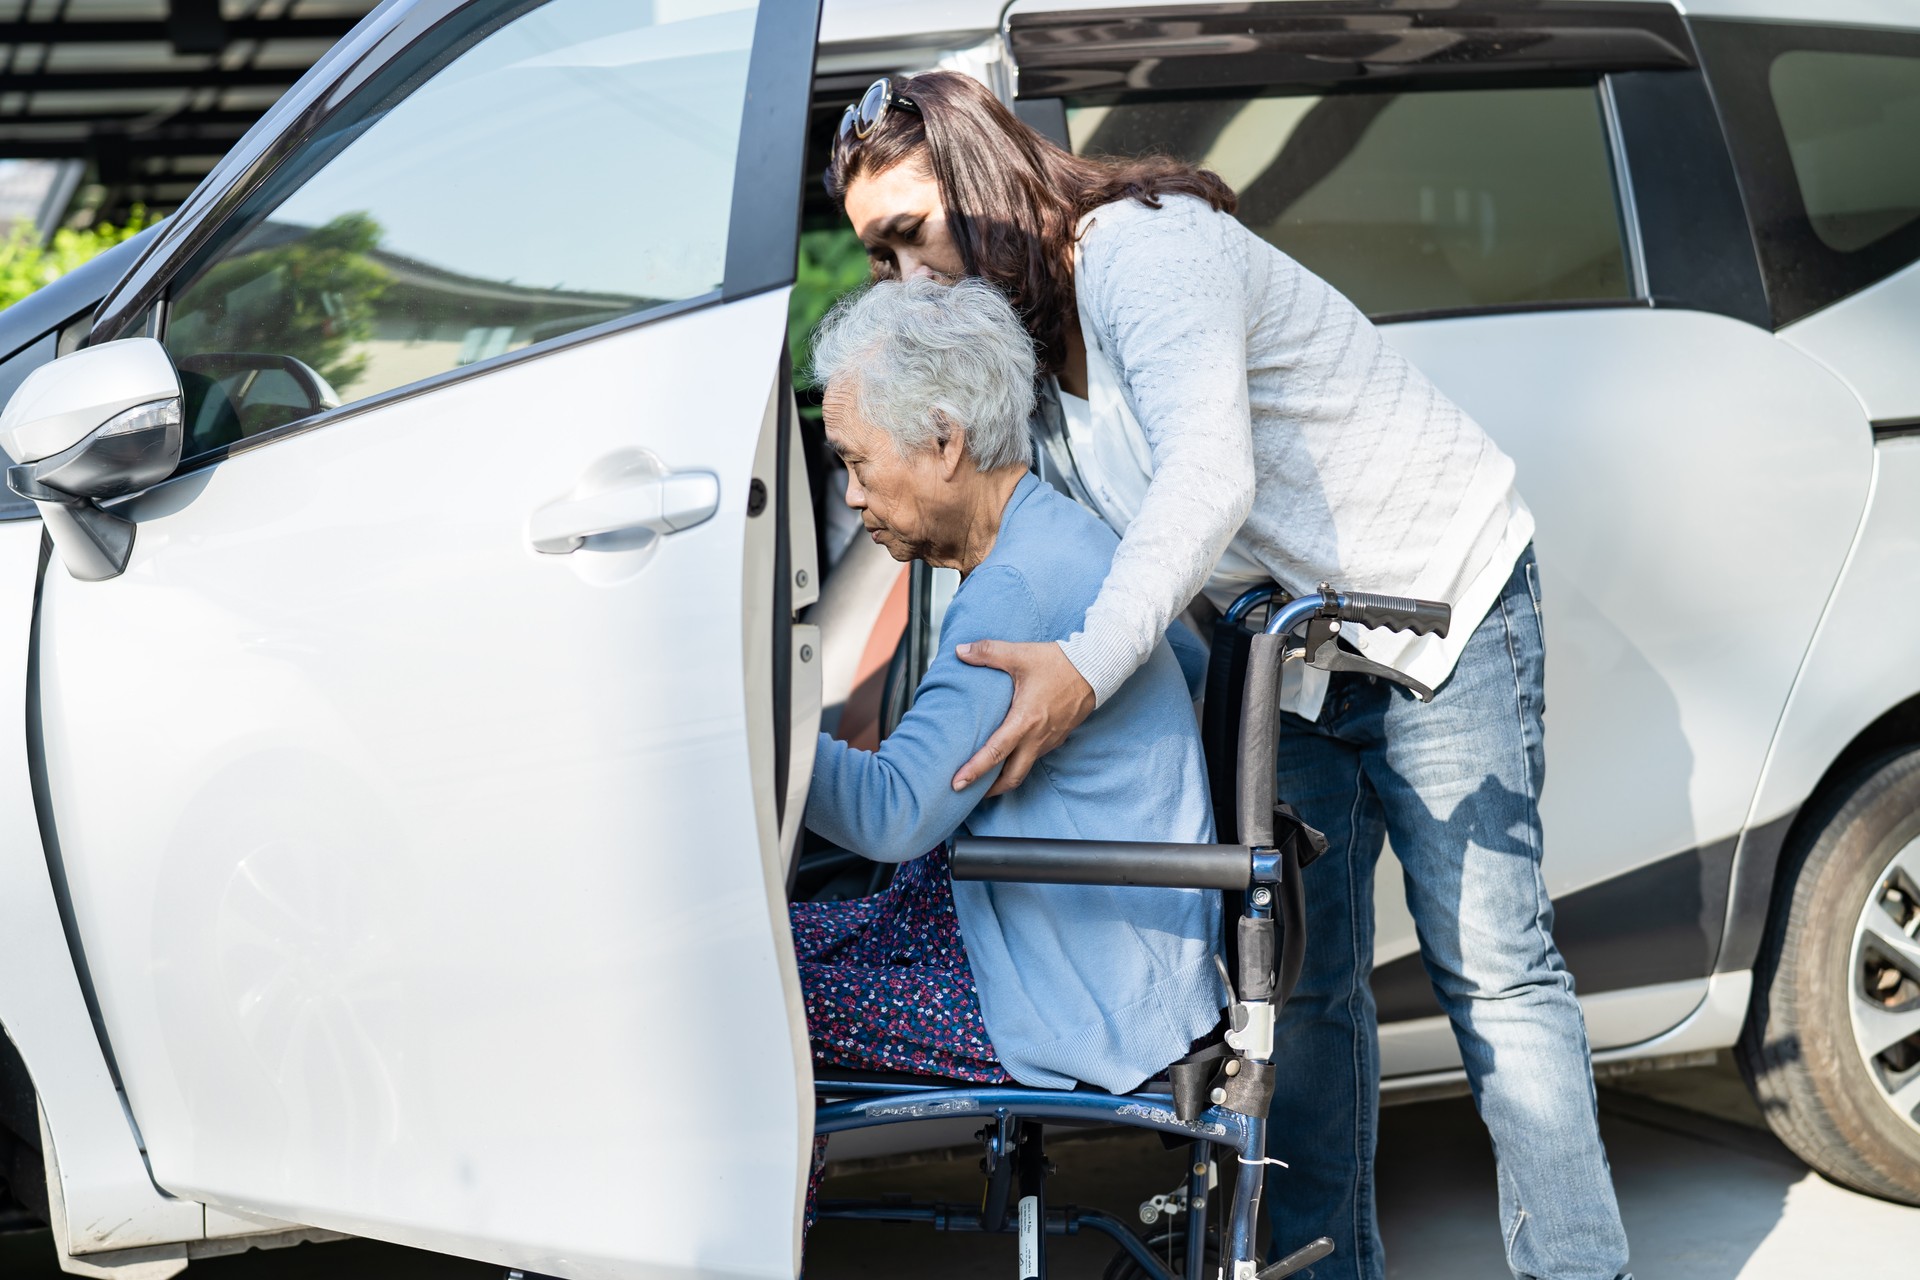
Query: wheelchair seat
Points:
[825, 1077]
[1206, 1049]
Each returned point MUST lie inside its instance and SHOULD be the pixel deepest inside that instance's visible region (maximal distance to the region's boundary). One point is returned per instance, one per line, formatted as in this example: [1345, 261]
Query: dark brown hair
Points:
[1012, 198]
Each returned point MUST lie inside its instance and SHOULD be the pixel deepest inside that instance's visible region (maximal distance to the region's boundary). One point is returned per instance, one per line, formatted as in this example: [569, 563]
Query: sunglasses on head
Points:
[863, 117]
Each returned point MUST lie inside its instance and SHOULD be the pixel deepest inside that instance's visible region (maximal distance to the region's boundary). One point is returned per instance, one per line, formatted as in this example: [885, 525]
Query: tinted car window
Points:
[1825, 129]
[1407, 202]
[571, 167]
[1852, 124]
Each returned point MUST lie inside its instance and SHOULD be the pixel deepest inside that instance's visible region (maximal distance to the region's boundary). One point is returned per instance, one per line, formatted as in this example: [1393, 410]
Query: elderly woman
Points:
[928, 388]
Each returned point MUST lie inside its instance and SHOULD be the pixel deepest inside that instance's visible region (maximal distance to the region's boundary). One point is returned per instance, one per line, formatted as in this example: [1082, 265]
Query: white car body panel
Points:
[1861, 662]
[1860, 665]
[1868, 340]
[313, 757]
[1713, 1023]
[1680, 466]
[861, 21]
[110, 1201]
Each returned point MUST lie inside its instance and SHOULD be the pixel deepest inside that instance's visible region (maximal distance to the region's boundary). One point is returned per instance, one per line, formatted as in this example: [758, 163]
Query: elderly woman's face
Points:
[904, 502]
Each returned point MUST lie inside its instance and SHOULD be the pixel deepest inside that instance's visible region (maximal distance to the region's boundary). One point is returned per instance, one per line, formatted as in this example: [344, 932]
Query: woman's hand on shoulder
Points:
[1050, 700]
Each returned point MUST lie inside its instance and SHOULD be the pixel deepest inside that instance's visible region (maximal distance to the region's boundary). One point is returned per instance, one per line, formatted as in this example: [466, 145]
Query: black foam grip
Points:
[1257, 962]
[1396, 613]
[1259, 723]
[1220, 724]
[1113, 862]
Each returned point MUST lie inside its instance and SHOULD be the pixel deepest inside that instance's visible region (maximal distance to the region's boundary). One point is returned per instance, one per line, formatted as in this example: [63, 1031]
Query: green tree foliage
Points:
[311, 297]
[832, 262]
[26, 264]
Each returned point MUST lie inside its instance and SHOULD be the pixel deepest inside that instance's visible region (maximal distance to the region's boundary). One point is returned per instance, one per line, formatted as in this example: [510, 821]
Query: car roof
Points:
[956, 23]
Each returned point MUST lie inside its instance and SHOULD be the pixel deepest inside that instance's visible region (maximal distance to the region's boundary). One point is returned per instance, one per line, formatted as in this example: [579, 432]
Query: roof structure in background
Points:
[150, 93]
[36, 191]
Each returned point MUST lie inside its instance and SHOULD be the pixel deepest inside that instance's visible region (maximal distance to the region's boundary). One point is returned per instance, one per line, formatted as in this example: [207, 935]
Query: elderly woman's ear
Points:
[950, 442]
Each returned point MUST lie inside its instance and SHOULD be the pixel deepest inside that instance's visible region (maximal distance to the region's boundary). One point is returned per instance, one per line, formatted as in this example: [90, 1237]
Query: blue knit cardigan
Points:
[1076, 983]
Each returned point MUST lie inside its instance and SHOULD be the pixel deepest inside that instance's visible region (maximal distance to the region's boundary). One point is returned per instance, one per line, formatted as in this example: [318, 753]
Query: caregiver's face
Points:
[899, 498]
[898, 215]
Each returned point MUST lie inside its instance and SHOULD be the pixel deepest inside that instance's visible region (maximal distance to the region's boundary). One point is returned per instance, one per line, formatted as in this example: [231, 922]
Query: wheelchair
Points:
[1214, 1100]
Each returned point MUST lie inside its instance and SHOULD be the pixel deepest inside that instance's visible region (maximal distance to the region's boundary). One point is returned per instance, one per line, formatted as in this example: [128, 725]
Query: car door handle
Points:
[661, 503]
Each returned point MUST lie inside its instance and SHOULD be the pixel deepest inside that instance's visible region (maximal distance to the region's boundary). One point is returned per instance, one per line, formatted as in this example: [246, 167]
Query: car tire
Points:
[1829, 964]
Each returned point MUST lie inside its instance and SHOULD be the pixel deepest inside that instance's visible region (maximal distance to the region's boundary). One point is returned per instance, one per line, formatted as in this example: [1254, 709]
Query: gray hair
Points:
[914, 352]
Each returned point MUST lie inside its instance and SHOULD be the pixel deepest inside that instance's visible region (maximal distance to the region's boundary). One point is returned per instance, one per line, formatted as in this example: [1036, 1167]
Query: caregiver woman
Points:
[1239, 421]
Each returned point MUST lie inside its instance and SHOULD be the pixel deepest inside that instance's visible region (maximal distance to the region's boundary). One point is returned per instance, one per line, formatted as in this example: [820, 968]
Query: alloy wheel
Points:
[1885, 987]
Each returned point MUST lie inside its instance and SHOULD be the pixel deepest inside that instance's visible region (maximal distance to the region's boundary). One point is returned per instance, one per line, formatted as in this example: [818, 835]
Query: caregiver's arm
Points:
[1167, 297]
[896, 803]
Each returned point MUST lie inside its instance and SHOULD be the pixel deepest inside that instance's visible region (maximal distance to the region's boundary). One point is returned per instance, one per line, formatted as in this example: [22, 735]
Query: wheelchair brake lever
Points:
[1324, 652]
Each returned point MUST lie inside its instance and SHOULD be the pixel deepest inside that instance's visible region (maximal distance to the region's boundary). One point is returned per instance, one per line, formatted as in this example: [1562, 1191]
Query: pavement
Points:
[1706, 1191]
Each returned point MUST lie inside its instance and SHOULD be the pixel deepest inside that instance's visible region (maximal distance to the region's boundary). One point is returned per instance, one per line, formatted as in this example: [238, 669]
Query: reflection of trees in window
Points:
[352, 310]
[311, 297]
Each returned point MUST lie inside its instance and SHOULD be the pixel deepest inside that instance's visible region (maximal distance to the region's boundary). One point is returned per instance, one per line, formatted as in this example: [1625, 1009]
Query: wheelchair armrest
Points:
[1112, 862]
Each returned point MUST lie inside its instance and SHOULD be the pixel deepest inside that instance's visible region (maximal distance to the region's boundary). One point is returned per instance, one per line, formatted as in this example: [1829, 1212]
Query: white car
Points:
[409, 632]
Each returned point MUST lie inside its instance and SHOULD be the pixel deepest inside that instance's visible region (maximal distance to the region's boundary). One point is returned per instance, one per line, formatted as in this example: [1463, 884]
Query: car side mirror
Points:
[100, 423]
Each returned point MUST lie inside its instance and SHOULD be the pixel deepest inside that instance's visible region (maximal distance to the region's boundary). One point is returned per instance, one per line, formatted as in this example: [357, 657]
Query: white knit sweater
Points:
[1280, 421]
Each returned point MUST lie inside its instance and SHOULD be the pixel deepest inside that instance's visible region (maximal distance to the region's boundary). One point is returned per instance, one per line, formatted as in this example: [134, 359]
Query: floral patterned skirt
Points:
[887, 987]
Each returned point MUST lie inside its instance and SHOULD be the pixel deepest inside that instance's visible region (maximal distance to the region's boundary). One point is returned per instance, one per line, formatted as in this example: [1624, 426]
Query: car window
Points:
[1852, 122]
[1406, 202]
[1825, 127]
[570, 167]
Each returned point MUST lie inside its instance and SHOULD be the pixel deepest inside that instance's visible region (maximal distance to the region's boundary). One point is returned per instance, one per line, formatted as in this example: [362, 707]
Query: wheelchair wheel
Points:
[1168, 1243]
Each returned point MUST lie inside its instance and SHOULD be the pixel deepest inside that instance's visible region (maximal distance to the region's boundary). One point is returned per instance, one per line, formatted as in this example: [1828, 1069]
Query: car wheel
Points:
[1832, 1042]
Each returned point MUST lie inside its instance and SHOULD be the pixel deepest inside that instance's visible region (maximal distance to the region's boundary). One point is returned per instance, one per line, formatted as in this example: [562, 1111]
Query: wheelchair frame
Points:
[1215, 1099]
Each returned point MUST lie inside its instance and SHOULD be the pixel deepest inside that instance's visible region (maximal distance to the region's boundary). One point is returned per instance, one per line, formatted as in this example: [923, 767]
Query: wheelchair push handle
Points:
[1260, 697]
[1395, 613]
[1391, 613]
[1151, 865]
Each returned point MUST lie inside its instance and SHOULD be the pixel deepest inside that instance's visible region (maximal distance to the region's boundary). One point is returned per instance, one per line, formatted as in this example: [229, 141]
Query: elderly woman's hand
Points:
[1050, 699]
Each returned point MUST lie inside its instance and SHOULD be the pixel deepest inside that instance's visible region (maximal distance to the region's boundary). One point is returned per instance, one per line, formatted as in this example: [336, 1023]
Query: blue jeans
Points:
[1455, 784]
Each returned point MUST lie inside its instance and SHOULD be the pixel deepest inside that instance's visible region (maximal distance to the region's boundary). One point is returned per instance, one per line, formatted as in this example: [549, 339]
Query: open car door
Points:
[420, 784]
